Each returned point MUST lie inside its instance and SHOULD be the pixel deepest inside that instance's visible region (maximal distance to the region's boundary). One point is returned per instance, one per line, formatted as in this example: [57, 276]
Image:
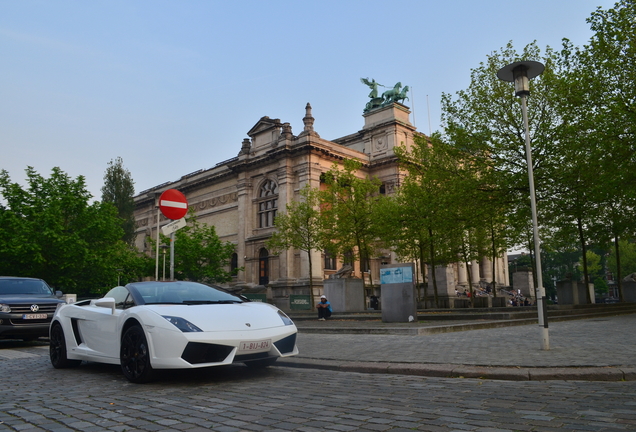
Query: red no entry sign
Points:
[173, 204]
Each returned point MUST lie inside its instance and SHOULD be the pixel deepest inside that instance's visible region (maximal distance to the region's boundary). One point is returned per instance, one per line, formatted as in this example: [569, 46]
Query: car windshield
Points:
[24, 287]
[189, 293]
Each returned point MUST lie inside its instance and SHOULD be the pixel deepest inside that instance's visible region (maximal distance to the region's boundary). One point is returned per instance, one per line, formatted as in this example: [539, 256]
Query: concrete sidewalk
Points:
[594, 349]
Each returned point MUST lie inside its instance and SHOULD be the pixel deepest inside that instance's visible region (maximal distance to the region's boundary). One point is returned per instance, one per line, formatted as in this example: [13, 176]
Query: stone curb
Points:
[510, 373]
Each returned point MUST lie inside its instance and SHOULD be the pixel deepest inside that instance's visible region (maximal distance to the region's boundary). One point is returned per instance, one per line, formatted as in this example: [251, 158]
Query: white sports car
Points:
[169, 325]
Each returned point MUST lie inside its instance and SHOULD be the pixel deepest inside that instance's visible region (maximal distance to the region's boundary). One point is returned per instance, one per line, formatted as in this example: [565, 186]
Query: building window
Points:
[263, 267]
[364, 263]
[268, 204]
[330, 261]
[234, 264]
[347, 258]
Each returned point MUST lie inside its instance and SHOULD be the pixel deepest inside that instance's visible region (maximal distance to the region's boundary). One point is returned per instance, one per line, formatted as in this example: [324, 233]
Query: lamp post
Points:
[163, 249]
[521, 73]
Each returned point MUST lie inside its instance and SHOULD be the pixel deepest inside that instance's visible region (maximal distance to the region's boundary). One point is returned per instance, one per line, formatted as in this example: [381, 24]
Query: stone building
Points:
[241, 197]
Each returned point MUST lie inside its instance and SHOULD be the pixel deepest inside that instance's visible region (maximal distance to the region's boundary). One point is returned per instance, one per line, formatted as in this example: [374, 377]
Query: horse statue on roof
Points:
[394, 95]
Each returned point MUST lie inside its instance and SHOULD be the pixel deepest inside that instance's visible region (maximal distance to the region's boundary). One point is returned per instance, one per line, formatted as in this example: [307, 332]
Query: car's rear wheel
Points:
[135, 356]
[260, 364]
[57, 349]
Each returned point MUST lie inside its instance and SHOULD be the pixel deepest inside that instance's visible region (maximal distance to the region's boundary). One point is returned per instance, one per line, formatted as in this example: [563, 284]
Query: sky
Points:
[172, 87]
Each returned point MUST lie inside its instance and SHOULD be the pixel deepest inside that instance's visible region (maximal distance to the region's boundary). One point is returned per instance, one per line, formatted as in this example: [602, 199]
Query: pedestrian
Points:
[324, 308]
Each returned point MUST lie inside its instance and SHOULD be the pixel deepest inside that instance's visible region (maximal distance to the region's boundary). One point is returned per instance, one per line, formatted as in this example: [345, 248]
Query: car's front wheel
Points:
[57, 349]
[135, 356]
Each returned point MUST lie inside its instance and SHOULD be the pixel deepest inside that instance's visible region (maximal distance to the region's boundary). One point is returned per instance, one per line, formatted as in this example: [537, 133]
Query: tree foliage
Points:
[200, 255]
[347, 212]
[51, 230]
[581, 120]
[119, 190]
[300, 227]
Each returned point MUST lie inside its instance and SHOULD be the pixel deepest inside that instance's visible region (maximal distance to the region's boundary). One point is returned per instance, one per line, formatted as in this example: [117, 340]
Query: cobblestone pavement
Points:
[94, 397]
[601, 342]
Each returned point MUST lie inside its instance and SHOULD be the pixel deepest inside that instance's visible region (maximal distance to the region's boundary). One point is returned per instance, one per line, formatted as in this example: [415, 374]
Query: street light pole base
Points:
[545, 338]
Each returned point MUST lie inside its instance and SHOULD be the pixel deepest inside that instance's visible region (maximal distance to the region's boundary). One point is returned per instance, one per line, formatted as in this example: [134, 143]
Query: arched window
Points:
[268, 204]
[347, 258]
[330, 261]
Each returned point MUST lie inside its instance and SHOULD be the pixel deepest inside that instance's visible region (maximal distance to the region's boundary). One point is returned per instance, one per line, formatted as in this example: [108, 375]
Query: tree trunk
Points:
[432, 260]
[469, 273]
[619, 277]
[586, 278]
[423, 272]
[494, 263]
[311, 282]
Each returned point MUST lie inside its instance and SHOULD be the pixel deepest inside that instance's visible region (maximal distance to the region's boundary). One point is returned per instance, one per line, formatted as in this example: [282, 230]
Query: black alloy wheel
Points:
[57, 349]
[134, 356]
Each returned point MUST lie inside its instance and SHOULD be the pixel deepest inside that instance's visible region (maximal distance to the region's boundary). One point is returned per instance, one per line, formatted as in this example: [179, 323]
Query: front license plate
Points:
[34, 316]
[262, 345]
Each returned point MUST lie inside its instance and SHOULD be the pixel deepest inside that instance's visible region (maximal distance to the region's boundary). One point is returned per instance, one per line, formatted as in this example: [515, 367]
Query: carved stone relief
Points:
[216, 201]
[381, 143]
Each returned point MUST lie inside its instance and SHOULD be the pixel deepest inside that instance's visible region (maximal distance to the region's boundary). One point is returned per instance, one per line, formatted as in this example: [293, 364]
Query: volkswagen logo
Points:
[35, 308]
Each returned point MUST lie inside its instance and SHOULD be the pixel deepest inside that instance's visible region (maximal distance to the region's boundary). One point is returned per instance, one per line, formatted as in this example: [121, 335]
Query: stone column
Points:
[502, 270]
[286, 195]
[486, 269]
[244, 188]
[462, 274]
[474, 268]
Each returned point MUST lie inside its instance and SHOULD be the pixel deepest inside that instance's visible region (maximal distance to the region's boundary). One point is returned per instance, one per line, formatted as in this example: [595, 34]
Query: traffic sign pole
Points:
[174, 205]
[157, 252]
[172, 256]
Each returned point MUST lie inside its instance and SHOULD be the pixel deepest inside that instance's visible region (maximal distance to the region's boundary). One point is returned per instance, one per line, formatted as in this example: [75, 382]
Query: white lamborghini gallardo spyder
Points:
[169, 325]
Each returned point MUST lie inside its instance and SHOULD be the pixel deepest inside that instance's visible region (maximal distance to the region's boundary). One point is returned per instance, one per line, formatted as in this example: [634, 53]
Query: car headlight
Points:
[182, 324]
[285, 318]
[5, 308]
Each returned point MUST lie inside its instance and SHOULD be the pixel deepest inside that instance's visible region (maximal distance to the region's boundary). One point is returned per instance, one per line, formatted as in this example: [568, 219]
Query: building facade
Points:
[242, 196]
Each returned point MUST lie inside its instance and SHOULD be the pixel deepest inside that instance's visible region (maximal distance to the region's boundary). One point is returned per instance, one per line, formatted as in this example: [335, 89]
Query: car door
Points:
[98, 326]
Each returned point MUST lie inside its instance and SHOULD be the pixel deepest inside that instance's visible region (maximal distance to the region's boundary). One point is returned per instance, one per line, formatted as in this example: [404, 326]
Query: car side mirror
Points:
[59, 294]
[106, 302]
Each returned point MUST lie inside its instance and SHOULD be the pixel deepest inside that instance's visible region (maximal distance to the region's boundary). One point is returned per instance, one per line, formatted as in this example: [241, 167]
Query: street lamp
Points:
[119, 275]
[521, 73]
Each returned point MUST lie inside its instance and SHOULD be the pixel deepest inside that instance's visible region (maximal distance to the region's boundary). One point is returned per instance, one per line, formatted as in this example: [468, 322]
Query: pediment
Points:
[265, 124]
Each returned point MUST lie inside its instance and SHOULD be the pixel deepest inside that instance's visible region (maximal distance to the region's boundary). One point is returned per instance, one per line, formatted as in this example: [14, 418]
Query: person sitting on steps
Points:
[324, 308]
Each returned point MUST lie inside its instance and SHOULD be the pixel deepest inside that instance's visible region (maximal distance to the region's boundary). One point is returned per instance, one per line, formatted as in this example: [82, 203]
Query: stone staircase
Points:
[433, 321]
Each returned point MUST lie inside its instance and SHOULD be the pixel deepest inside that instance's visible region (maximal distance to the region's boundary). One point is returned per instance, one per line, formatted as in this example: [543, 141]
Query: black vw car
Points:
[26, 307]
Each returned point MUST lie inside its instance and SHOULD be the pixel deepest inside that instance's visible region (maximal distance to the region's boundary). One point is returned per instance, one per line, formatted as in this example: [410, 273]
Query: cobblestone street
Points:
[95, 397]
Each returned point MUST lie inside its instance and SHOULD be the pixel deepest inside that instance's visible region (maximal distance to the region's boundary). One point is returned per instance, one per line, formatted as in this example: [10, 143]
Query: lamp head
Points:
[521, 73]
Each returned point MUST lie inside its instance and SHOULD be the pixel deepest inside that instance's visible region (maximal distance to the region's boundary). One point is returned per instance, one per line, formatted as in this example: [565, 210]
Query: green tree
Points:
[50, 230]
[348, 204]
[200, 255]
[627, 258]
[119, 189]
[452, 204]
[299, 227]
[486, 121]
[601, 107]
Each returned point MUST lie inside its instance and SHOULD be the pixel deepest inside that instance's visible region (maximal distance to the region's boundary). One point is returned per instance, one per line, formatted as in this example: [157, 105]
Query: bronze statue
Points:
[396, 94]
[373, 85]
